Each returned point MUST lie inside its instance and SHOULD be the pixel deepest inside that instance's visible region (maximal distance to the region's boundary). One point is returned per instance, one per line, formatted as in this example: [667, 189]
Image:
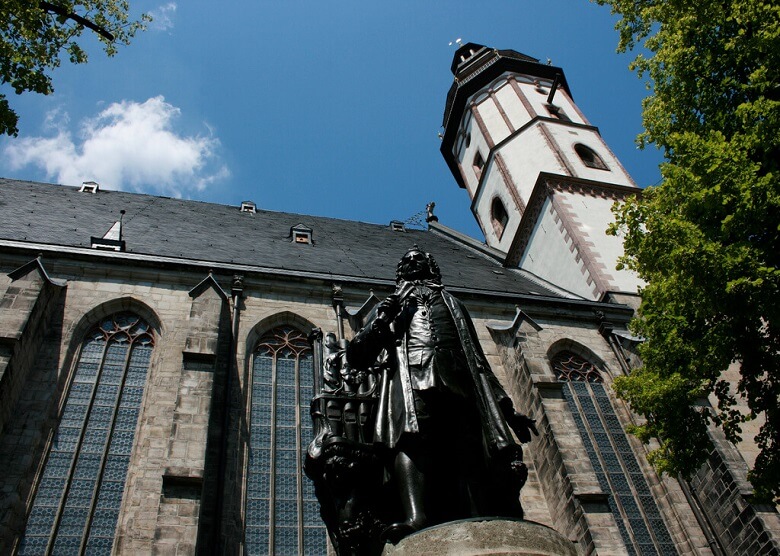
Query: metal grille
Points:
[282, 513]
[617, 470]
[76, 506]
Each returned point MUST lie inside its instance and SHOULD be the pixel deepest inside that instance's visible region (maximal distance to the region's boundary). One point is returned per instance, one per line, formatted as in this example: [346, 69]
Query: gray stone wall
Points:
[26, 310]
[724, 494]
[186, 485]
[577, 506]
[30, 327]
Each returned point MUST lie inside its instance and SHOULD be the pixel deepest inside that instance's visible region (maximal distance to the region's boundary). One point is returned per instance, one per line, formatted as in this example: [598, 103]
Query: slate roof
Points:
[62, 216]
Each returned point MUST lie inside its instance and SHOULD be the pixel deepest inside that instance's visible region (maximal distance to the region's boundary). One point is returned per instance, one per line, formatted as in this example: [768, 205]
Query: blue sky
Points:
[323, 108]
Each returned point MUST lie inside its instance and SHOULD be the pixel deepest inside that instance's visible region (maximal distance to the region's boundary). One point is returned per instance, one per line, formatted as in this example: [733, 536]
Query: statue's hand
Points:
[522, 425]
[388, 309]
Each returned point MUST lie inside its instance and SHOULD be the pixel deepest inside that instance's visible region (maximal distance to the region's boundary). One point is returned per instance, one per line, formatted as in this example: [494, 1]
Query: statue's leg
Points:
[410, 478]
[412, 468]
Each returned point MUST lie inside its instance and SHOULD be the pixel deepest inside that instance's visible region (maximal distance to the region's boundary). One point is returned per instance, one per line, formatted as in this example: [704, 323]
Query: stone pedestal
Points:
[483, 537]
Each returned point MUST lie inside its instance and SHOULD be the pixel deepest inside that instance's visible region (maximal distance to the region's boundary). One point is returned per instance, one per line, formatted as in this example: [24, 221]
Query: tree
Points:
[706, 239]
[35, 34]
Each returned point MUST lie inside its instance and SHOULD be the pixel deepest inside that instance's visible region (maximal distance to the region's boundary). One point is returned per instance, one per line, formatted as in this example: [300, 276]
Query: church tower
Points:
[540, 177]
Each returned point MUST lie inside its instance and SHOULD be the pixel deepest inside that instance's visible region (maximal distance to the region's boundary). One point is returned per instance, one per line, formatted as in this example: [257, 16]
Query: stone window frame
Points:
[79, 461]
[268, 500]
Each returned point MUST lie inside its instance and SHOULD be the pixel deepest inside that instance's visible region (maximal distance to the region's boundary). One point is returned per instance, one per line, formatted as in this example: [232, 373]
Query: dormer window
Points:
[589, 157]
[479, 164]
[248, 206]
[89, 187]
[301, 234]
[111, 240]
[397, 226]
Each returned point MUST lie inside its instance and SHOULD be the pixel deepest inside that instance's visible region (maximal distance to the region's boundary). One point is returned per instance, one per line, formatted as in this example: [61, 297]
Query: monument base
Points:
[485, 536]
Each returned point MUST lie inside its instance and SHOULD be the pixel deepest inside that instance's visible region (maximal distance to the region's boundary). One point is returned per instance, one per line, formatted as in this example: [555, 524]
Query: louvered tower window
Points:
[282, 513]
[77, 503]
[633, 506]
[590, 158]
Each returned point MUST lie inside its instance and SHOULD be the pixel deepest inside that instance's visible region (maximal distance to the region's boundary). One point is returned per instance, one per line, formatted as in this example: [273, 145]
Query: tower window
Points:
[498, 216]
[589, 157]
[479, 164]
[557, 112]
[282, 513]
[632, 504]
[248, 206]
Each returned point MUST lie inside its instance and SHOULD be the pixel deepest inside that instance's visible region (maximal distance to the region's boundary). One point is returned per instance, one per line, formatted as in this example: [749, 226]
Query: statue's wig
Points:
[434, 273]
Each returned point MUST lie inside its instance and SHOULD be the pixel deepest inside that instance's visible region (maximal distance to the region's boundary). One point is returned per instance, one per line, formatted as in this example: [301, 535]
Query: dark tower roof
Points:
[468, 54]
[474, 66]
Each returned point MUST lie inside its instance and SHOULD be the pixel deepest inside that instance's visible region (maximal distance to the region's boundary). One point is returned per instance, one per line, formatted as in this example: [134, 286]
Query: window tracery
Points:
[76, 506]
[632, 504]
[282, 513]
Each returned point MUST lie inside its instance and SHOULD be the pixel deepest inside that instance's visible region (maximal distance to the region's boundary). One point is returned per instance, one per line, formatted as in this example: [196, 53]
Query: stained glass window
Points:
[637, 516]
[282, 514]
[77, 503]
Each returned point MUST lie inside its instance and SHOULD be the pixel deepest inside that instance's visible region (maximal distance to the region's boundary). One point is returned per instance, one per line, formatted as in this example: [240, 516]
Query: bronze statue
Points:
[441, 420]
[442, 414]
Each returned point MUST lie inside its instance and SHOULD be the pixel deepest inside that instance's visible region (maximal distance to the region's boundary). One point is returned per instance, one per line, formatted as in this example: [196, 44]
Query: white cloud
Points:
[128, 145]
[162, 16]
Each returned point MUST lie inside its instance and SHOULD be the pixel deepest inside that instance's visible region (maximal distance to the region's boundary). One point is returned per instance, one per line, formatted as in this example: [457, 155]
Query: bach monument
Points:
[412, 430]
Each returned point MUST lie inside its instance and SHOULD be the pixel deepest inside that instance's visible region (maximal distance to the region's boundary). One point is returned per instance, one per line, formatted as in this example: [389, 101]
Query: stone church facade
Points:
[155, 373]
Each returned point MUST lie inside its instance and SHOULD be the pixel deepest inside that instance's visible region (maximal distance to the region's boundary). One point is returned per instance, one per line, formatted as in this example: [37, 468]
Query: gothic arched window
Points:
[76, 506]
[637, 516]
[589, 157]
[498, 216]
[282, 513]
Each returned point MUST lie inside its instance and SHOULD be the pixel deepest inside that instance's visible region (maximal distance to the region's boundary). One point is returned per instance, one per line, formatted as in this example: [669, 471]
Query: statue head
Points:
[416, 264]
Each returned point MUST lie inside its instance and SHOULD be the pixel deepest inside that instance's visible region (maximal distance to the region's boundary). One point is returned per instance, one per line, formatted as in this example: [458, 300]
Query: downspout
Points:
[237, 293]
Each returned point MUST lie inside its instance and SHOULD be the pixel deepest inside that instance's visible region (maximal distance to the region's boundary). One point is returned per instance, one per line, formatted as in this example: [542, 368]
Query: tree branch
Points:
[77, 18]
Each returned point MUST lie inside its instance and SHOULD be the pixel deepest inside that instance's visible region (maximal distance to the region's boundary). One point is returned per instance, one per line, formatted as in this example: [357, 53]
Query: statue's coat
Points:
[395, 412]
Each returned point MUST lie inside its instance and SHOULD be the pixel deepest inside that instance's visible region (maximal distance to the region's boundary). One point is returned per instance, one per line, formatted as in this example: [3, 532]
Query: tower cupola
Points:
[540, 177]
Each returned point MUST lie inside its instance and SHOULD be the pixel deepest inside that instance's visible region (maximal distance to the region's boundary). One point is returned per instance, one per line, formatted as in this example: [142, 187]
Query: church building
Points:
[156, 372]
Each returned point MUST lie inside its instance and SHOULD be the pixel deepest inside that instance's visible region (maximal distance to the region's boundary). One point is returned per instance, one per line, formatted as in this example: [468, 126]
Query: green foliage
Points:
[706, 239]
[34, 35]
